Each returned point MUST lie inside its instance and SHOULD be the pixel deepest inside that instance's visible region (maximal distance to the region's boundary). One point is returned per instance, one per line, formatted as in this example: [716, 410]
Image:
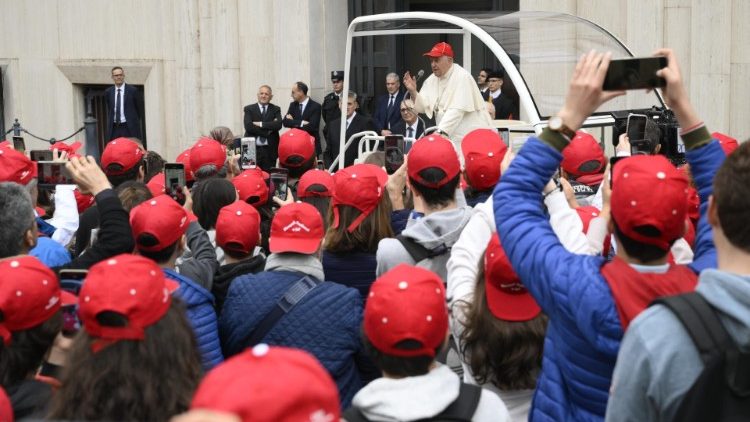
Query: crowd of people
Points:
[471, 284]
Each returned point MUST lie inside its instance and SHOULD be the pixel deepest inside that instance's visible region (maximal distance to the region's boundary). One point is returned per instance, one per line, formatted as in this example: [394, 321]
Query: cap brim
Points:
[171, 285]
[283, 244]
[434, 55]
[511, 307]
[67, 298]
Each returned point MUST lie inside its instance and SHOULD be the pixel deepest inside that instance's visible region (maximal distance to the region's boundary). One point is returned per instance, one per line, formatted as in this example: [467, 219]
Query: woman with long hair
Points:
[137, 358]
[500, 333]
[360, 217]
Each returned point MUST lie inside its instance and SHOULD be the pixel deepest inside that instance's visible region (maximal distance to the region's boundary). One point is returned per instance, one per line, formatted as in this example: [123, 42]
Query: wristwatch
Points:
[556, 124]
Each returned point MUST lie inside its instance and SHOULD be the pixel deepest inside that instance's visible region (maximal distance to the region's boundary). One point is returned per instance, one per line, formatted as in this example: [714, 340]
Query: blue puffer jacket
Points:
[354, 269]
[202, 316]
[325, 323]
[584, 331]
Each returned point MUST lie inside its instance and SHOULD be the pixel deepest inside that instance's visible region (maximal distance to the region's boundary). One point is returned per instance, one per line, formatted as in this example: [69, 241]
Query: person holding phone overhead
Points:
[263, 121]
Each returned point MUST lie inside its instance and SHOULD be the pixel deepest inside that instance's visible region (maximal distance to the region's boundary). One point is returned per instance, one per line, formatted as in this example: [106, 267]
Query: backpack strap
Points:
[353, 414]
[285, 304]
[418, 252]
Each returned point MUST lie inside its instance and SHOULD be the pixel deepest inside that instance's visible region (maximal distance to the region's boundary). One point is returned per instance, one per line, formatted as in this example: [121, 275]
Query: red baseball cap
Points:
[406, 303]
[694, 203]
[728, 144]
[297, 228]
[238, 227]
[70, 149]
[584, 159]
[586, 214]
[295, 142]
[649, 191]
[184, 159]
[440, 49]
[483, 150]
[507, 297]
[360, 186]
[121, 151]
[16, 167]
[29, 295]
[317, 183]
[433, 151]
[161, 217]
[251, 187]
[130, 285]
[156, 184]
[6, 408]
[83, 201]
[207, 151]
[270, 384]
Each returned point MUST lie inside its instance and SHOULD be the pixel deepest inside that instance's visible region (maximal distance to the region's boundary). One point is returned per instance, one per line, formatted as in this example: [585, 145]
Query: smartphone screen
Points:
[71, 281]
[236, 145]
[279, 177]
[19, 144]
[40, 155]
[636, 127]
[394, 153]
[634, 73]
[247, 154]
[174, 181]
[52, 173]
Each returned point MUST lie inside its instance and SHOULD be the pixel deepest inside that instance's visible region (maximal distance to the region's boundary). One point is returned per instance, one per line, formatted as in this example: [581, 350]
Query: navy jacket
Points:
[353, 269]
[325, 323]
[132, 106]
[311, 115]
[385, 118]
[584, 331]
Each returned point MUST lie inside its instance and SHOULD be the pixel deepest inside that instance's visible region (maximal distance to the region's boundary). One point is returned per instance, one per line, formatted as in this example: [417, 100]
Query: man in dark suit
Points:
[410, 125]
[304, 113]
[124, 108]
[263, 121]
[504, 108]
[331, 110]
[386, 110]
[355, 123]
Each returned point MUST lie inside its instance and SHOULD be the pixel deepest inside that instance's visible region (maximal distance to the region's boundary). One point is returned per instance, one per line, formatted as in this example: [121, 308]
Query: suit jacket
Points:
[400, 128]
[385, 118]
[311, 115]
[359, 123]
[133, 107]
[504, 107]
[271, 123]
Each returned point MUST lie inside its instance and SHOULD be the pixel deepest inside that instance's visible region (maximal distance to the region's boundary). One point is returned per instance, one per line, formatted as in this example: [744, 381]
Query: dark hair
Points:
[154, 165]
[115, 68]
[366, 235]
[147, 239]
[44, 200]
[322, 204]
[639, 250]
[25, 353]
[399, 366]
[130, 174]
[130, 380]
[209, 197]
[210, 171]
[732, 197]
[302, 87]
[132, 193]
[297, 172]
[17, 216]
[507, 354]
[436, 197]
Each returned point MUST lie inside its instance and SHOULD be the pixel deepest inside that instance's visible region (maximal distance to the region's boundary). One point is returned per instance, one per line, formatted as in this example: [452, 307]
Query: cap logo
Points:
[52, 302]
[514, 287]
[24, 174]
[296, 226]
[321, 416]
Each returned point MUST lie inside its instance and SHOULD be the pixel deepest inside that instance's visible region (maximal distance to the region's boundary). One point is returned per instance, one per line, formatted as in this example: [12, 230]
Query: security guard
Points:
[330, 107]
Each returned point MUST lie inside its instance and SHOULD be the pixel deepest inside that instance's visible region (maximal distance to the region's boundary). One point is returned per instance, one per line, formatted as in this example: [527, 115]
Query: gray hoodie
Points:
[422, 397]
[658, 363]
[432, 231]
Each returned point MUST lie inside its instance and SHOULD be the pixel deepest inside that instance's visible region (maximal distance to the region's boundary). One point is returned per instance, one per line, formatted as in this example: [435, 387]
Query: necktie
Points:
[263, 112]
[301, 109]
[390, 104]
[118, 106]
[409, 132]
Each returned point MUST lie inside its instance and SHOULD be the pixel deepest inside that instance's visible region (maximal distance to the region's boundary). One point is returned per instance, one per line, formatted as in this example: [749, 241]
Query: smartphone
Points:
[40, 155]
[247, 153]
[321, 165]
[394, 153]
[279, 178]
[174, 181]
[612, 162]
[634, 73]
[19, 144]
[71, 281]
[52, 173]
[236, 143]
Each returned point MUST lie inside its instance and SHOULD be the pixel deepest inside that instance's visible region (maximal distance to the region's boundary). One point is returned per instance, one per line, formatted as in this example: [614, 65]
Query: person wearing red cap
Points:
[238, 233]
[500, 331]
[660, 369]
[135, 358]
[405, 327]
[483, 150]
[207, 159]
[210, 196]
[590, 303]
[290, 305]
[433, 173]
[361, 213]
[30, 319]
[266, 384]
[583, 164]
[316, 188]
[449, 95]
[296, 154]
[304, 113]
[159, 227]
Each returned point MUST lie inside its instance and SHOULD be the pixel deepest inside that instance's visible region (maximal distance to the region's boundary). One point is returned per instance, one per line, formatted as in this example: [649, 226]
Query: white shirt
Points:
[350, 118]
[413, 129]
[304, 105]
[121, 88]
[495, 94]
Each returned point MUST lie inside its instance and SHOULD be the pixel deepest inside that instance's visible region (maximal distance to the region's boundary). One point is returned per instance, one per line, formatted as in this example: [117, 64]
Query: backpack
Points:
[722, 390]
[419, 253]
[462, 409]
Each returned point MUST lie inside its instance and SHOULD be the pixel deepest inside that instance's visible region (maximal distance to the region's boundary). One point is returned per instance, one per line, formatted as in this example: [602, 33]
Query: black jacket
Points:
[226, 273]
[311, 115]
[400, 128]
[270, 126]
[359, 123]
[132, 106]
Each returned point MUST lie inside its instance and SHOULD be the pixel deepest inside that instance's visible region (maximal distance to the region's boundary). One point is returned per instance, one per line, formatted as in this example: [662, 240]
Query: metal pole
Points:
[92, 140]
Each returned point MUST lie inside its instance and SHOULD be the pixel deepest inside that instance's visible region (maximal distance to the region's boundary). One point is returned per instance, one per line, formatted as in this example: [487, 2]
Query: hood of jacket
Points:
[442, 227]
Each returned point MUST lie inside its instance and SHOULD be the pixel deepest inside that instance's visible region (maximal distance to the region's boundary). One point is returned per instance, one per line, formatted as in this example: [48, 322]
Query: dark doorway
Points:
[94, 94]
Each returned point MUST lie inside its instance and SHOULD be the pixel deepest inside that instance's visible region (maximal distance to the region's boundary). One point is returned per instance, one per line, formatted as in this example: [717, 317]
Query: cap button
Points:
[112, 262]
[385, 320]
[153, 202]
[261, 350]
[14, 264]
[661, 175]
[403, 285]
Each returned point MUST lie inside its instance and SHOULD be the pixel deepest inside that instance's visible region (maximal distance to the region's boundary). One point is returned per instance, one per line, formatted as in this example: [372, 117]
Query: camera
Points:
[665, 132]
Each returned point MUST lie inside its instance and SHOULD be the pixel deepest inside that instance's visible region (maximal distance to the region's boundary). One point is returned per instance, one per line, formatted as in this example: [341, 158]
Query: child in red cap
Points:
[483, 150]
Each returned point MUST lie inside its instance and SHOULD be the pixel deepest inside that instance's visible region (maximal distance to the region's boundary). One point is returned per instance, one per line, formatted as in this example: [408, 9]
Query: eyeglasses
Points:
[118, 76]
[404, 110]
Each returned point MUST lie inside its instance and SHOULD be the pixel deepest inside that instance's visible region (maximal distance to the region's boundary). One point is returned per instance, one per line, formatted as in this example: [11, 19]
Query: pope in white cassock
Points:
[450, 95]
